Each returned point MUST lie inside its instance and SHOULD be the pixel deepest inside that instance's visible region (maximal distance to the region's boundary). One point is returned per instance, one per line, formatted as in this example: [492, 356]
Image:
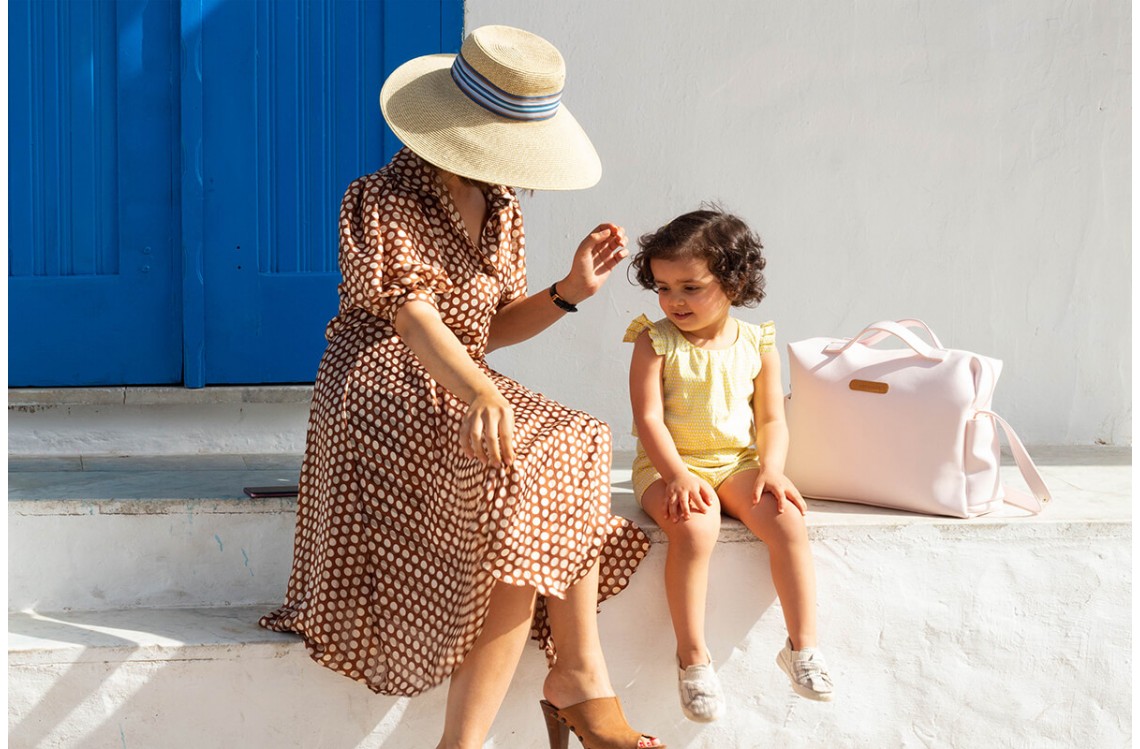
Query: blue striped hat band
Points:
[494, 99]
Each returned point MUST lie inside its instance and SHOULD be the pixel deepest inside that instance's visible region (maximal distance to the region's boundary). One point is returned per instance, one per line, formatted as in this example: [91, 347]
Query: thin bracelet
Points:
[559, 302]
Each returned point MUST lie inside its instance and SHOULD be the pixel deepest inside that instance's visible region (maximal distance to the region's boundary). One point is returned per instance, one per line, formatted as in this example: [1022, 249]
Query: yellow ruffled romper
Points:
[708, 400]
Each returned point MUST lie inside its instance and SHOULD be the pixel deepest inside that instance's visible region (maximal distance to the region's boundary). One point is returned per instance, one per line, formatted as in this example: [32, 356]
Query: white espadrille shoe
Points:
[807, 671]
[702, 698]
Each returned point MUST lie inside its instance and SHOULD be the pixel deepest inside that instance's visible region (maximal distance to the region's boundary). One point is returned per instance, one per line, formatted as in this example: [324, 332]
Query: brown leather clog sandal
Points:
[598, 724]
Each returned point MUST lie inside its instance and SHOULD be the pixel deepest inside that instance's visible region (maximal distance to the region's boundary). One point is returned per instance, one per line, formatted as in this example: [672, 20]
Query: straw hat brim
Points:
[432, 117]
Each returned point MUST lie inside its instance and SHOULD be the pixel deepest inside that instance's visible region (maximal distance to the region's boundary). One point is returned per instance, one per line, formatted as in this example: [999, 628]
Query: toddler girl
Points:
[708, 411]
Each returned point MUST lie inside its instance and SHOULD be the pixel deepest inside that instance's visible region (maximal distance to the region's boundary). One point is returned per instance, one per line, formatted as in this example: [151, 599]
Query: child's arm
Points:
[772, 435]
[684, 491]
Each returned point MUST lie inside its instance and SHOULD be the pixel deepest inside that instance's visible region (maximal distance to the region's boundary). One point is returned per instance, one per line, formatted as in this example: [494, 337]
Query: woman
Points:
[445, 511]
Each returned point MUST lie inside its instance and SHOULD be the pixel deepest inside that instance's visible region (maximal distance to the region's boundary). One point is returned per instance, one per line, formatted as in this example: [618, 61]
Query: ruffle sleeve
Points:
[767, 337]
[657, 336]
[384, 260]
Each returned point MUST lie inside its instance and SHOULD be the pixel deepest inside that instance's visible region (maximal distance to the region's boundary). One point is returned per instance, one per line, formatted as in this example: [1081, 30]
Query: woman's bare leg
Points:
[580, 670]
[479, 684]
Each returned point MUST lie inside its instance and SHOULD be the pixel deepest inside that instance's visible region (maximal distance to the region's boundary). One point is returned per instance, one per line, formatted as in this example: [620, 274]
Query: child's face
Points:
[690, 295]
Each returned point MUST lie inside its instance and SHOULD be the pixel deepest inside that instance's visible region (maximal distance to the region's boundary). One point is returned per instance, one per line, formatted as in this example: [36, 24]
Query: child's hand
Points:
[685, 495]
[778, 485]
[595, 257]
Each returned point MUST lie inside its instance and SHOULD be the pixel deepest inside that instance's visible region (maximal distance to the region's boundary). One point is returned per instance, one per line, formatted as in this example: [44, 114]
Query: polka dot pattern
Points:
[399, 537]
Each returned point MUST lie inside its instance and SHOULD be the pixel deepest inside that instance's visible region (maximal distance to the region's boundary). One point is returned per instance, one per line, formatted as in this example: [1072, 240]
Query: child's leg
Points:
[691, 544]
[789, 554]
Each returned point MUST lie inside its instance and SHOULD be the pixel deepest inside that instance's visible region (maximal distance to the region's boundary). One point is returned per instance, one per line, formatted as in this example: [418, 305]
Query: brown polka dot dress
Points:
[400, 537]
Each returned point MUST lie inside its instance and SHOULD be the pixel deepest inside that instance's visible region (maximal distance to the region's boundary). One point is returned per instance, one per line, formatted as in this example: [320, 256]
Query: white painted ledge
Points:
[998, 631]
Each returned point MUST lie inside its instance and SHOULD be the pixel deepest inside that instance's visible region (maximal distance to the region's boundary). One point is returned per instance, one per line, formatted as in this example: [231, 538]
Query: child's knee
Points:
[779, 528]
[697, 535]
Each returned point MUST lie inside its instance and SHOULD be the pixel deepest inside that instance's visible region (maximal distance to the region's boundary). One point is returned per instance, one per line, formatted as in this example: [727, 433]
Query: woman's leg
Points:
[789, 553]
[479, 684]
[580, 672]
[691, 544]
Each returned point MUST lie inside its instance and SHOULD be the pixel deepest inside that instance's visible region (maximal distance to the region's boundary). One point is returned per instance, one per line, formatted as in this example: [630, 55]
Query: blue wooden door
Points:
[93, 277]
[289, 117]
[176, 168]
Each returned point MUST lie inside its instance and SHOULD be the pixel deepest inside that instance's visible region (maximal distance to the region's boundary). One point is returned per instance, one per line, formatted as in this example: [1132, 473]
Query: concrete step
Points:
[219, 420]
[163, 531]
[108, 533]
[1001, 631]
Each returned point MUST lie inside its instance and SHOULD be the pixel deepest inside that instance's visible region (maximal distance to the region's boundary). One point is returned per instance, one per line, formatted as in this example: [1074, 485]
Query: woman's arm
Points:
[525, 318]
[684, 491]
[772, 435]
[487, 431]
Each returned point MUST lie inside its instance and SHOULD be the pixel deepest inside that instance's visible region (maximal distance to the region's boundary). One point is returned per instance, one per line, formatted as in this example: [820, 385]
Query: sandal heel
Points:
[558, 732]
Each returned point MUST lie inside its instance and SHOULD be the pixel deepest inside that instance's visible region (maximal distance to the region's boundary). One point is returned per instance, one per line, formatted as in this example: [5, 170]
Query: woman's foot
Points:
[566, 686]
[702, 698]
[598, 724]
[567, 689]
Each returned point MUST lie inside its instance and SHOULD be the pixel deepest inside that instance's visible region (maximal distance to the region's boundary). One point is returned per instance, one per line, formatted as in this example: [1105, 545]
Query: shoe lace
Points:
[811, 671]
[699, 686]
[695, 690]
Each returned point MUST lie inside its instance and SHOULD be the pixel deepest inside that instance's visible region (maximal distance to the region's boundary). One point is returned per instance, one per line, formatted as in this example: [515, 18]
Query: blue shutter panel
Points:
[176, 170]
[92, 248]
[290, 118]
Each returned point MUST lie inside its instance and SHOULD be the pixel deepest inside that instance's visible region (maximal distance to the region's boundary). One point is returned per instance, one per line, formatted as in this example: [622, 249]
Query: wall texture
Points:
[965, 163]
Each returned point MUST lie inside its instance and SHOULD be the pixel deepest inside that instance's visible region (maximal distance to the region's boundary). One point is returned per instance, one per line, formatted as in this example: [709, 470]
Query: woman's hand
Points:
[781, 489]
[686, 494]
[488, 429]
[597, 255]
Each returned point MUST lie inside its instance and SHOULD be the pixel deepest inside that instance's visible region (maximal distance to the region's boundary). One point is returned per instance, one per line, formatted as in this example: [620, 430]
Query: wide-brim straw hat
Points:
[493, 113]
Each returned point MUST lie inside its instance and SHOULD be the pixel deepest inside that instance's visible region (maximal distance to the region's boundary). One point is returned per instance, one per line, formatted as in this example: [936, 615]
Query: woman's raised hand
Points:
[597, 255]
[488, 429]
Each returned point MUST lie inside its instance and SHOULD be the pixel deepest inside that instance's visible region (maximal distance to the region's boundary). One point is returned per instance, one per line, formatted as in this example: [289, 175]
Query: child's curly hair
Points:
[721, 239]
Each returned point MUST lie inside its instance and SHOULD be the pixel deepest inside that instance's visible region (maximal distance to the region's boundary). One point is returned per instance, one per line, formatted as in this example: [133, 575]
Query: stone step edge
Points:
[31, 400]
[144, 634]
[828, 521]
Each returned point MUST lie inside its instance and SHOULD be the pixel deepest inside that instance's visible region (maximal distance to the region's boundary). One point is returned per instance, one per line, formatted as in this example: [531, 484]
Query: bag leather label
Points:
[867, 386]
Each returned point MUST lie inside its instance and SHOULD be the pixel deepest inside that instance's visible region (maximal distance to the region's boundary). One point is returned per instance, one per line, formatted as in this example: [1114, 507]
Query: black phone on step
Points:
[283, 490]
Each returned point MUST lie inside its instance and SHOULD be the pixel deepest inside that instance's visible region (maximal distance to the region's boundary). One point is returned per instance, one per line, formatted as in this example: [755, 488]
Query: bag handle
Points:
[889, 327]
[1041, 496]
[909, 322]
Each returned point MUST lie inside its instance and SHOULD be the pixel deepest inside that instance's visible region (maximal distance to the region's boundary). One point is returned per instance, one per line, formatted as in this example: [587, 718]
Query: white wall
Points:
[963, 162]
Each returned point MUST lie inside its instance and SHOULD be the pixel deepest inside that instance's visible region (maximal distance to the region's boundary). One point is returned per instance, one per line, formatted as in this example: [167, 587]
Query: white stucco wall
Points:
[965, 163]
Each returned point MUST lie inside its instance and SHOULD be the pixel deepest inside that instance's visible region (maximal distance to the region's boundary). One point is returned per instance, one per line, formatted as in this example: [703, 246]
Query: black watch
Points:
[559, 302]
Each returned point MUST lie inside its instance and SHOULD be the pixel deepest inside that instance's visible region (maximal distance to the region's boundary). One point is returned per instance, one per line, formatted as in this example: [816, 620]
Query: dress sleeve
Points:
[383, 258]
[656, 335]
[767, 337]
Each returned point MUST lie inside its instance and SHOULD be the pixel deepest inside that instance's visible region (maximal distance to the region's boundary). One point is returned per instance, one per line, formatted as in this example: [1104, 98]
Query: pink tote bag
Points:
[904, 428]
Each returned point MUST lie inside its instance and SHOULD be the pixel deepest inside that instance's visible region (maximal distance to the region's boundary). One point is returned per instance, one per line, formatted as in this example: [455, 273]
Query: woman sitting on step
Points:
[445, 511]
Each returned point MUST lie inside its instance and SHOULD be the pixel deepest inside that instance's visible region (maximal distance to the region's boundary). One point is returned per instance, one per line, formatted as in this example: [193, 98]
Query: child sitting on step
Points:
[708, 411]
